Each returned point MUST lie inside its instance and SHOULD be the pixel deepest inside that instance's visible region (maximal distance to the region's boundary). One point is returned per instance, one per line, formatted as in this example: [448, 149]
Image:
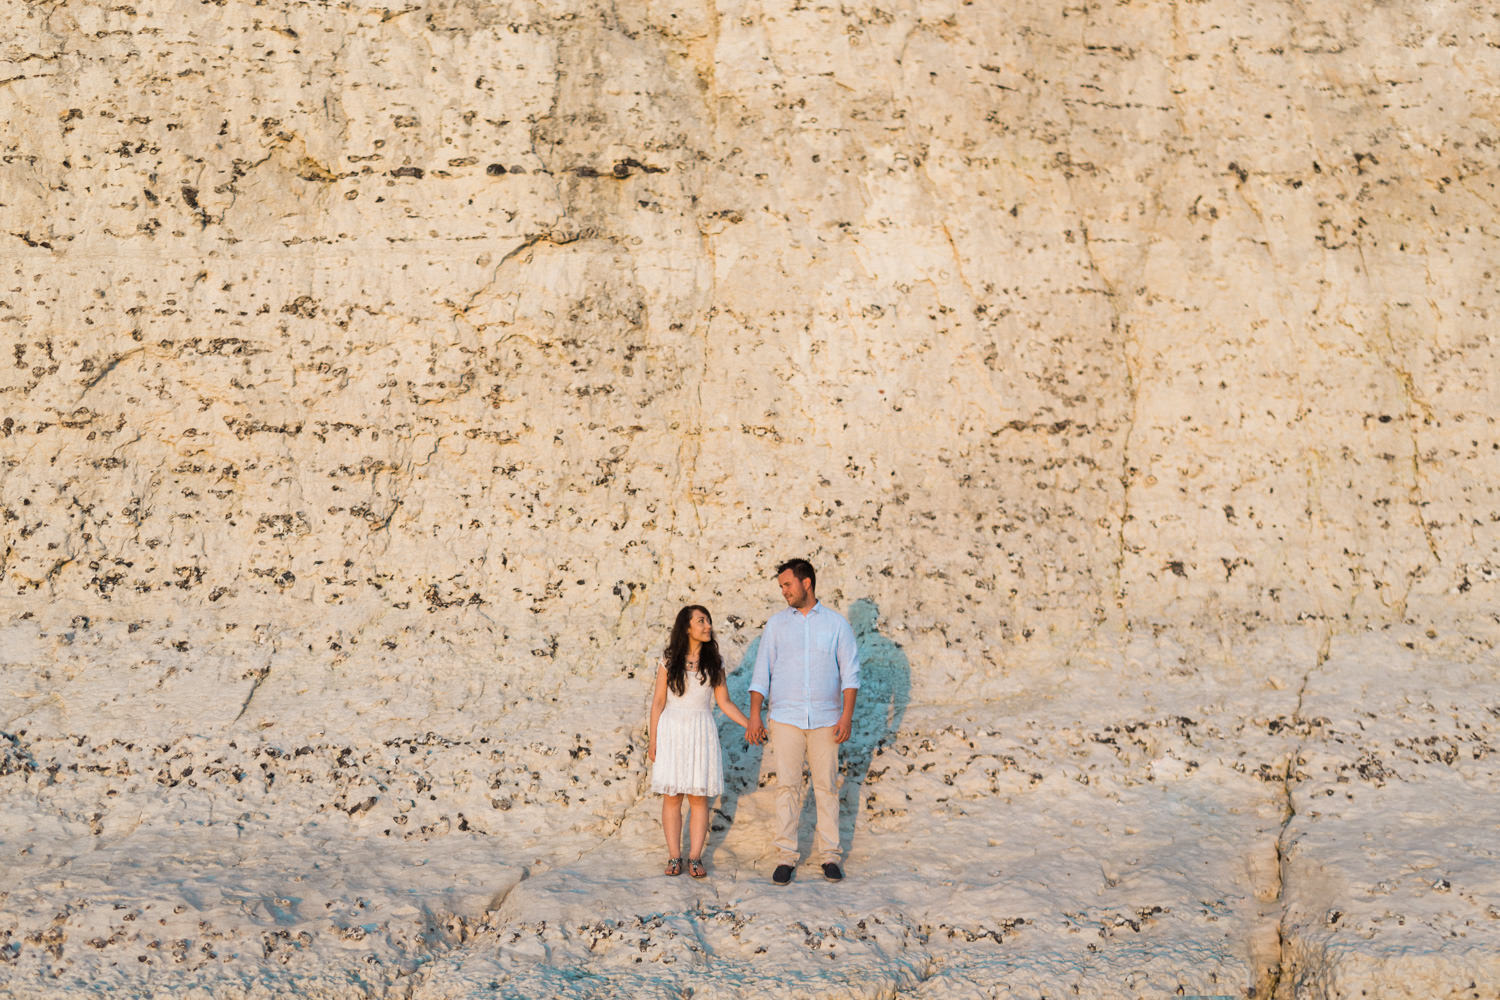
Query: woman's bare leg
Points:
[671, 824]
[697, 824]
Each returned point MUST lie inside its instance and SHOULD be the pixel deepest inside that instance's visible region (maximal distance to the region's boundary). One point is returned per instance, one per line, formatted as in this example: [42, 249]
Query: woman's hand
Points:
[651, 752]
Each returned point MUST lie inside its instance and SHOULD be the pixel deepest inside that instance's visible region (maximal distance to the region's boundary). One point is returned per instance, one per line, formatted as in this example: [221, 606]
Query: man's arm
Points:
[755, 732]
[760, 686]
[846, 720]
[847, 653]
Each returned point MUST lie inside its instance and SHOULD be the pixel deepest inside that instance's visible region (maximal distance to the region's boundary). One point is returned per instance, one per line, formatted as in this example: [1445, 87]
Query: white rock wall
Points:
[373, 372]
[521, 324]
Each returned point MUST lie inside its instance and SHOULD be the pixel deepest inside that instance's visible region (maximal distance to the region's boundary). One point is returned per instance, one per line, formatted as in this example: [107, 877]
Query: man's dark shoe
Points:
[783, 874]
[832, 872]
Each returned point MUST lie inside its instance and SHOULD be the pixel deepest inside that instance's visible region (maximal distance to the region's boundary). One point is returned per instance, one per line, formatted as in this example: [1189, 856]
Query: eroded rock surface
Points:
[376, 381]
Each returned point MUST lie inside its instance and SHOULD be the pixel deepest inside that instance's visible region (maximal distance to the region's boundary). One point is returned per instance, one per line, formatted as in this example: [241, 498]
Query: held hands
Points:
[756, 733]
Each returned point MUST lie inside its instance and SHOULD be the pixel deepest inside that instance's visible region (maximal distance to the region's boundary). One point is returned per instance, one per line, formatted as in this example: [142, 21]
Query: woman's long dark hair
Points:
[710, 663]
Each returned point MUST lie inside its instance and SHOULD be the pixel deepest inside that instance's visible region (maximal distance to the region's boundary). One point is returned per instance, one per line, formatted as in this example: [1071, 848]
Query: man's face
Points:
[797, 593]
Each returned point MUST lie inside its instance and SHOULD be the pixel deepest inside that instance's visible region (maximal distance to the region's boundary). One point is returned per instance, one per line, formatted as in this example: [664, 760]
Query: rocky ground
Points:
[1288, 819]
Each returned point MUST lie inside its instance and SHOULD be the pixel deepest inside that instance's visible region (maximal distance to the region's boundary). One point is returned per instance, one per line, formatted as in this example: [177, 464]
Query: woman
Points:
[684, 751]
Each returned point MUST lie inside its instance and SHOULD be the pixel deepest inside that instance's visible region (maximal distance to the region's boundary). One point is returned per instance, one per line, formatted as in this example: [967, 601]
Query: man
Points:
[808, 667]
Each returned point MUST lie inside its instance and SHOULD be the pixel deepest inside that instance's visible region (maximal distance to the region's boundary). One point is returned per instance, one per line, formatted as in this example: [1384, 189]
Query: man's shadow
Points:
[742, 761]
[884, 692]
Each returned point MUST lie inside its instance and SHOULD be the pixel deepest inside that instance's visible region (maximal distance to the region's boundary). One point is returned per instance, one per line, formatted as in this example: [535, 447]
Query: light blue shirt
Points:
[804, 665]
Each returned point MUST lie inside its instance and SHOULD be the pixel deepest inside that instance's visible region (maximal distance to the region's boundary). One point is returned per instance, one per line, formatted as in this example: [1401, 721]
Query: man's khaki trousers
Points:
[789, 746]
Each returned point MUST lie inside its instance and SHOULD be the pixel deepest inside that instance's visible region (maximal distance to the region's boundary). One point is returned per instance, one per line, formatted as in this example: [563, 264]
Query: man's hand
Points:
[755, 732]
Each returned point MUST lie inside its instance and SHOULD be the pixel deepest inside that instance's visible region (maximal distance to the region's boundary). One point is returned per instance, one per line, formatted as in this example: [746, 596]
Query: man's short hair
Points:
[801, 569]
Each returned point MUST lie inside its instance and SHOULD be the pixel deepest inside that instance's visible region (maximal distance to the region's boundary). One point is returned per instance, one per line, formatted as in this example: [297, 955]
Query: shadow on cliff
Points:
[885, 690]
[742, 761]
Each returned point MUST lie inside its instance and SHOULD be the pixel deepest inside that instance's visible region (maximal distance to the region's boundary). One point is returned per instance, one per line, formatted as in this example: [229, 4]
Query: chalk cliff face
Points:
[371, 372]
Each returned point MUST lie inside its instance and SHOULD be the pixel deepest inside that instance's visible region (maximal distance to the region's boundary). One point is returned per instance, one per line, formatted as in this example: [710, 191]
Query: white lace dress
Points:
[688, 761]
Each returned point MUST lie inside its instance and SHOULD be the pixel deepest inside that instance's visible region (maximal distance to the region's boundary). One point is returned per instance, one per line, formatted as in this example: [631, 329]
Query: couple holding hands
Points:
[807, 668]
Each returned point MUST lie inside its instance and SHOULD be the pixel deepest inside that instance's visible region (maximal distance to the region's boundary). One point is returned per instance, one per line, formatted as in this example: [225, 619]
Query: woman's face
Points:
[700, 628]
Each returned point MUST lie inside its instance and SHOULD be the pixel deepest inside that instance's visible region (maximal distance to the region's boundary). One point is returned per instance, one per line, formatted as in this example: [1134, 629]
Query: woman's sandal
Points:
[674, 866]
[696, 869]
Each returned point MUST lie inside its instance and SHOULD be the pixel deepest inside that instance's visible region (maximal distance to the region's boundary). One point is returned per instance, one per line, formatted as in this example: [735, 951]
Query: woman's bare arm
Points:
[721, 695]
[658, 702]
